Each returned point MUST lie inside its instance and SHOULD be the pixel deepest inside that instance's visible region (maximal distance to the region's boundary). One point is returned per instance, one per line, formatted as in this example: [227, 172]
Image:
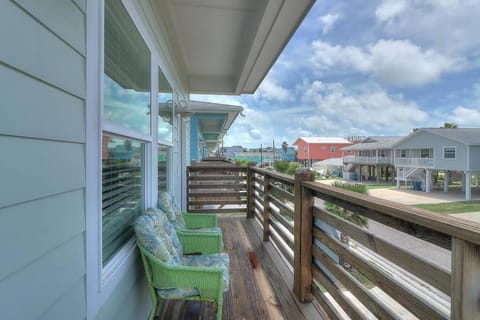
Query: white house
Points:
[95, 92]
[425, 151]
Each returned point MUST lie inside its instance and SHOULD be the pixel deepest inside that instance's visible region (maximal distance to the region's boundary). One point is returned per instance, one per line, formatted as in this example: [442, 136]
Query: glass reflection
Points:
[165, 109]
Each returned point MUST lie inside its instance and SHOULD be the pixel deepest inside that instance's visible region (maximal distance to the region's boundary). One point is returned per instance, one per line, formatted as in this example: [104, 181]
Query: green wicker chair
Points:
[208, 242]
[186, 220]
[173, 274]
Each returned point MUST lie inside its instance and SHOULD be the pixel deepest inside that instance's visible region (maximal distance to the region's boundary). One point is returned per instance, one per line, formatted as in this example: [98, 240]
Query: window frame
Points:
[454, 152]
[102, 281]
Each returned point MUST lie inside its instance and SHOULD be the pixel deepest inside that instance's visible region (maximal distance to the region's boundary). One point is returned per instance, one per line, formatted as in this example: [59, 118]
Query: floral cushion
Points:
[219, 260]
[172, 233]
[154, 240]
[178, 293]
[180, 223]
[165, 204]
[211, 229]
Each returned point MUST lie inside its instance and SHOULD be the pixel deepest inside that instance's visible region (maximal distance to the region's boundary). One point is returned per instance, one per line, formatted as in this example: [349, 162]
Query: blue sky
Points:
[368, 68]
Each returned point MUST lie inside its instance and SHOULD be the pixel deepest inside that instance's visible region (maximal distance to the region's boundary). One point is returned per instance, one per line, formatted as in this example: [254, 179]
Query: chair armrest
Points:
[208, 280]
[199, 220]
[204, 242]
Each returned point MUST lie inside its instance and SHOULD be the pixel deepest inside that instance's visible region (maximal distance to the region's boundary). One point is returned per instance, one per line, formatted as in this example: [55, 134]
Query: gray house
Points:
[94, 121]
[372, 159]
[449, 151]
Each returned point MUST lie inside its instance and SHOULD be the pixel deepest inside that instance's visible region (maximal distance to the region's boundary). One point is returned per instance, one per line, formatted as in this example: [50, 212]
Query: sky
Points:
[363, 68]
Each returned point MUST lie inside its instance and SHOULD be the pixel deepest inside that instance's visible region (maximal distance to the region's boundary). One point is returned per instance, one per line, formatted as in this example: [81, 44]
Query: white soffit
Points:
[228, 46]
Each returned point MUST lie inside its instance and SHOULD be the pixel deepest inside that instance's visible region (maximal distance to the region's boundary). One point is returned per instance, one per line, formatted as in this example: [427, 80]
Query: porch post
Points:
[463, 181]
[428, 180]
[446, 181]
[250, 191]
[376, 174]
[302, 260]
[398, 178]
[468, 186]
[266, 208]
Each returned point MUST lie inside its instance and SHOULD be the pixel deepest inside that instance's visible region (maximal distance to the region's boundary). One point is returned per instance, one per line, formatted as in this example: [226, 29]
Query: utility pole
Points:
[261, 155]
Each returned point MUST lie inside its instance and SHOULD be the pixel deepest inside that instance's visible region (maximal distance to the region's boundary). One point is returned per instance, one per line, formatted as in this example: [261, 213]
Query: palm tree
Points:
[449, 125]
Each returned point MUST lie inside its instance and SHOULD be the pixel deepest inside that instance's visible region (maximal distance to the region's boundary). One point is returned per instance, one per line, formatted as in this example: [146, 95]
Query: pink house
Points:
[311, 149]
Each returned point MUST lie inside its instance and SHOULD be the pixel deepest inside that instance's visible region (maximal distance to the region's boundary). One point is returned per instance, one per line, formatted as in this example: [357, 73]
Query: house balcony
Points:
[312, 263]
[415, 162]
[367, 160]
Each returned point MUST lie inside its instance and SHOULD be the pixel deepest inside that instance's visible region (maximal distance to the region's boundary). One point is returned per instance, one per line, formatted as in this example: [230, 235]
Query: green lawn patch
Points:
[380, 186]
[451, 207]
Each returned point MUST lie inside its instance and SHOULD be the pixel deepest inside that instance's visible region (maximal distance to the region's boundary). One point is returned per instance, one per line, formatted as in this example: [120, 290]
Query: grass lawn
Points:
[452, 207]
[380, 186]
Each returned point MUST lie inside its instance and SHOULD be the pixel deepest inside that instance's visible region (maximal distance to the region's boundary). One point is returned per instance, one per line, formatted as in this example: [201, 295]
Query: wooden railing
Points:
[370, 275]
[217, 188]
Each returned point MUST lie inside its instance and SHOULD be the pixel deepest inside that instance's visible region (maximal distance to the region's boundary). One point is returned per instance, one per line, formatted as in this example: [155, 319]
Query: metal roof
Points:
[324, 140]
[374, 143]
[467, 136]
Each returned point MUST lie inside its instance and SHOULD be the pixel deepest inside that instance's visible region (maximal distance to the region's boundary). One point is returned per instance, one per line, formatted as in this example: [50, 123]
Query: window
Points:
[449, 152]
[403, 153]
[122, 191]
[305, 149]
[332, 149]
[426, 153]
[126, 113]
[163, 168]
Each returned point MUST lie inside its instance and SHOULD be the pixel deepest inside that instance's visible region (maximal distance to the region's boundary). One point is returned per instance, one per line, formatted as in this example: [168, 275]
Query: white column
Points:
[398, 178]
[376, 174]
[445, 181]
[468, 186]
[428, 180]
[463, 181]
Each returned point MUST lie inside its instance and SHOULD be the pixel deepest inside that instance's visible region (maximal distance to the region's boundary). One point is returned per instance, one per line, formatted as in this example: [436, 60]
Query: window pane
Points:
[165, 109]
[127, 71]
[163, 168]
[122, 191]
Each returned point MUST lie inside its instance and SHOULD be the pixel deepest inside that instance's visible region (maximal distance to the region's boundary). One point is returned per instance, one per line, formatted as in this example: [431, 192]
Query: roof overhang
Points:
[228, 46]
[214, 120]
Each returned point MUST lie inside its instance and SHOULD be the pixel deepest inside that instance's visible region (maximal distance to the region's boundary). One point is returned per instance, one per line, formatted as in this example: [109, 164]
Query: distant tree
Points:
[128, 145]
[415, 130]
[449, 125]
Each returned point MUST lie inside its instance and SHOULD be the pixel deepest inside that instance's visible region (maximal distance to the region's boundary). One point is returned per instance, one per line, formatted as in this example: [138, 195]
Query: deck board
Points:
[259, 293]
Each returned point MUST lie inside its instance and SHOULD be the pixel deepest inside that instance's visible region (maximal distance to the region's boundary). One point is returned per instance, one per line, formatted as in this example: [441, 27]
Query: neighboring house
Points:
[80, 78]
[372, 159]
[265, 157]
[208, 124]
[229, 152]
[429, 151]
[312, 149]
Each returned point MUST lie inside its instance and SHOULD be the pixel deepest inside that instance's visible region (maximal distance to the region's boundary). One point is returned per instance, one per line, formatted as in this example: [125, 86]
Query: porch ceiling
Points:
[228, 46]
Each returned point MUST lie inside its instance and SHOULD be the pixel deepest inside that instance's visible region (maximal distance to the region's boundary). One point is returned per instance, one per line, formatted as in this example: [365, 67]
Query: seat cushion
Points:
[218, 260]
[211, 229]
[164, 203]
[154, 240]
[178, 293]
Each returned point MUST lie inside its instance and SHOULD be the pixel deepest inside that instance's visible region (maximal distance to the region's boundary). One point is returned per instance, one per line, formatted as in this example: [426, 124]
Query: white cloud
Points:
[269, 89]
[466, 117]
[395, 62]
[328, 21]
[340, 111]
[448, 26]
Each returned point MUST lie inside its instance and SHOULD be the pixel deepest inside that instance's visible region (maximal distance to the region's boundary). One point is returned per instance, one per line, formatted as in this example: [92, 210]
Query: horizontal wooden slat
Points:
[285, 194]
[418, 306]
[221, 210]
[350, 308]
[446, 224]
[280, 244]
[288, 240]
[326, 304]
[216, 177]
[219, 194]
[215, 202]
[218, 186]
[434, 275]
[276, 175]
[361, 293]
[281, 219]
[282, 206]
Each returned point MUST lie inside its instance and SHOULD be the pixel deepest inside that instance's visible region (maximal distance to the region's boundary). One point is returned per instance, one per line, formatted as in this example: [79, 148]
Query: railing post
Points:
[266, 208]
[302, 271]
[250, 191]
[465, 297]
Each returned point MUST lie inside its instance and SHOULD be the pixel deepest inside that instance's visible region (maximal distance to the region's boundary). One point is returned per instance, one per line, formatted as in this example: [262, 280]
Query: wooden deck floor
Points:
[261, 293]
